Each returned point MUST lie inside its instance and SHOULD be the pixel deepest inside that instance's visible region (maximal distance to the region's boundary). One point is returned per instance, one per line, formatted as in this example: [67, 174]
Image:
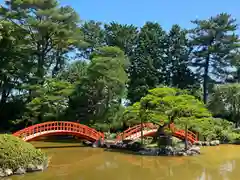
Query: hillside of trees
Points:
[56, 66]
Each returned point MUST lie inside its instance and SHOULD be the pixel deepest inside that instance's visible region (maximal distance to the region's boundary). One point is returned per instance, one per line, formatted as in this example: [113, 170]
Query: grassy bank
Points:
[16, 154]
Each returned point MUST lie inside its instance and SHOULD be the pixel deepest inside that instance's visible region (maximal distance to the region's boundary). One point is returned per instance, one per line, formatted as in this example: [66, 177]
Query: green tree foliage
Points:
[215, 128]
[122, 36]
[147, 68]
[225, 101]
[74, 72]
[179, 75]
[214, 43]
[14, 63]
[36, 37]
[168, 105]
[50, 101]
[55, 67]
[50, 30]
[93, 36]
[99, 95]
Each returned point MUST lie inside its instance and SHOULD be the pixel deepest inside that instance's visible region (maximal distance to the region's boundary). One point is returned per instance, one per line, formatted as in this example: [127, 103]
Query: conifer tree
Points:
[214, 43]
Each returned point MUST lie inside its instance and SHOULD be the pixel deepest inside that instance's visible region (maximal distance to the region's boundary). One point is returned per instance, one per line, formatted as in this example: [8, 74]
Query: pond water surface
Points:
[70, 161]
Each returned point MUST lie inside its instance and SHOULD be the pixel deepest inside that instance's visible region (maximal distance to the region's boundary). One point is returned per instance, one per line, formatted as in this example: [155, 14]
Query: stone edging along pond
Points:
[136, 148]
[207, 143]
[19, 157]
[22, 170]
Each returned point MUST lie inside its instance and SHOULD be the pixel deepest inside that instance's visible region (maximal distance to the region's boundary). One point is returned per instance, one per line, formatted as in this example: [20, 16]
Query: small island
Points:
[178, 123]
[19, 157]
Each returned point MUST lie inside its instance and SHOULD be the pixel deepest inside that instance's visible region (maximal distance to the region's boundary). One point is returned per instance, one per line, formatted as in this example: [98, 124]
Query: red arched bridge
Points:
[150, 129]
[85, 132]
[59, 128]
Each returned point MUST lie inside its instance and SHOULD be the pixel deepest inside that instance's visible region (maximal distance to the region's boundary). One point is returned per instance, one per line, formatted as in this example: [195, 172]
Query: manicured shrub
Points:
[15, 153]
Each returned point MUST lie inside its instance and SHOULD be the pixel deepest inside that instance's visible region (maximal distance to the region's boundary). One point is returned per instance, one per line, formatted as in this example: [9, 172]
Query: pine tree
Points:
[147, 68]
[177, 60]
[122, 36]
[214, 44]
[51, 31]
[103, 87]
[93, 35]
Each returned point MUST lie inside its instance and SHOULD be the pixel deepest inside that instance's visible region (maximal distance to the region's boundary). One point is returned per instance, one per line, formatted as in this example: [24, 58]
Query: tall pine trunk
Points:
[205, 80]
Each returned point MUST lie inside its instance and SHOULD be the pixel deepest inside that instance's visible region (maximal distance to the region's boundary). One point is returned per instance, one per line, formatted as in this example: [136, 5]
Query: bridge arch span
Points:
[59, 128]
[150, 129]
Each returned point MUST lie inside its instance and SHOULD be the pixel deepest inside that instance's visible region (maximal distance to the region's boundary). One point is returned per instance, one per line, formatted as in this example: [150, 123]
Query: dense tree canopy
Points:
[225, 101]
[167, 105]
[54, 66]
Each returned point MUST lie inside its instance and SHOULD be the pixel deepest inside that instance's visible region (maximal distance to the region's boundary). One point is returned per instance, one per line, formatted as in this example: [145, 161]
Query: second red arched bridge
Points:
[82, 131]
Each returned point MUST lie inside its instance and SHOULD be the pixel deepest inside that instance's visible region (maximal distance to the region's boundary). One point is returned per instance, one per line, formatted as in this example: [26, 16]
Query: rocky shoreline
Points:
[23, 170]
[136, 148]
[207, 143]
[170, 151]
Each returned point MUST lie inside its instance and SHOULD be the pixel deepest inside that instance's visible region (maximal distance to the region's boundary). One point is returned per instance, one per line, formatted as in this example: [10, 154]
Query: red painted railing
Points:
[59, 128]
[180, 133]
[150, 129]
[83, 131]
[135, 129]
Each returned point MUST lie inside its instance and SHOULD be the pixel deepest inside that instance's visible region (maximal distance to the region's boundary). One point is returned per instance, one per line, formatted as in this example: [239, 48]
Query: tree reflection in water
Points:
[215, 163]
[189, 168]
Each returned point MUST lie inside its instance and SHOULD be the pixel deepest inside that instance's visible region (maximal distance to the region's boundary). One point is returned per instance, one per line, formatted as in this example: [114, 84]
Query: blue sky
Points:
[166, 12]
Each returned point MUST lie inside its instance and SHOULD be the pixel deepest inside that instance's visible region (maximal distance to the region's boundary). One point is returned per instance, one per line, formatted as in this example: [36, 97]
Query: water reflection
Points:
[216, 163]
[197, 168]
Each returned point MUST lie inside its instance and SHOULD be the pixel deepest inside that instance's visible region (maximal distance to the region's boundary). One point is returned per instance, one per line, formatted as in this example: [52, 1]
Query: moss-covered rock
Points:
[16, 155]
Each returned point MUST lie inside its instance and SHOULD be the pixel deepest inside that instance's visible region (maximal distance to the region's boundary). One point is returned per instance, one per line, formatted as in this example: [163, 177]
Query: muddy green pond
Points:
[70, 161]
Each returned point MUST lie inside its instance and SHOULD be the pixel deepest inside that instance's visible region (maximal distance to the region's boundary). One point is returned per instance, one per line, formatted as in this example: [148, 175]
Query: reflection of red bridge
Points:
[85, 132]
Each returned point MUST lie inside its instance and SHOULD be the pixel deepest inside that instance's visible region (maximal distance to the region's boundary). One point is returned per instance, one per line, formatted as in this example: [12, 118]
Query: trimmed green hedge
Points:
[15, 153]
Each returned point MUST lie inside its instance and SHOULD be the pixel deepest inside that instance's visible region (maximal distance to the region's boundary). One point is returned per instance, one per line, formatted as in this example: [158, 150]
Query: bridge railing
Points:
[150, 126]
[190, 135]
[58, 126]
[135, 129]
[181, 132]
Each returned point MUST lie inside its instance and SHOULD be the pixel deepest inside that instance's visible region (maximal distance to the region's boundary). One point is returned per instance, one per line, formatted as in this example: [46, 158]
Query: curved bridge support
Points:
[150, 129]
[59, 128]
